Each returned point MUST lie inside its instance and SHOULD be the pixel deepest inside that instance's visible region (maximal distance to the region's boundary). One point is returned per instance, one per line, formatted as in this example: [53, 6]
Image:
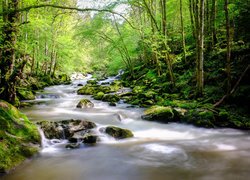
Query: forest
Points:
[181, 61]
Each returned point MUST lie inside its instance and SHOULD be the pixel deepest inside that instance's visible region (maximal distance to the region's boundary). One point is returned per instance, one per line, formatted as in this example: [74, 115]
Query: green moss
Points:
[110, 98]
[25, 94]
[99, 96]
[86, 90]
[118, 133]
[17, 134]
[161, 113]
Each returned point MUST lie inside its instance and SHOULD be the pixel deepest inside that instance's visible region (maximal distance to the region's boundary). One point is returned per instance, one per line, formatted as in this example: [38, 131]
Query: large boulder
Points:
[85, 103]
[162, 114]
[118, 133]
[66, 129]
[53, 130]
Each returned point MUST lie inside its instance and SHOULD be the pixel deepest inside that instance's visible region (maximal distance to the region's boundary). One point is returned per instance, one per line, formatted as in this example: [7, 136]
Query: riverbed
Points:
[156, 152]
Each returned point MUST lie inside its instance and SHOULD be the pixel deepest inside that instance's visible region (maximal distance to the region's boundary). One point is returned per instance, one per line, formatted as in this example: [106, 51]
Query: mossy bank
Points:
[19, 138]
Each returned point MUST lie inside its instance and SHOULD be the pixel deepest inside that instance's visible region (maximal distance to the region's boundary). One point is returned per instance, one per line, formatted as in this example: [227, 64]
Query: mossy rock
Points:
[86, 90]
[118, 133]
[111, 98]
[138, 89]
[200, 118]
[19, 138]
[25, 94]
[92, 82]
[161, 113]
[85, 103]
[90, 139]
[104, 89]
[99, 96]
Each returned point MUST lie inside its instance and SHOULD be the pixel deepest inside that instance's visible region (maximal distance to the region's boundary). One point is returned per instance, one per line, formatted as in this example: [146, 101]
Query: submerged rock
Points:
[73, 146]
[118, 133]
[85, 103]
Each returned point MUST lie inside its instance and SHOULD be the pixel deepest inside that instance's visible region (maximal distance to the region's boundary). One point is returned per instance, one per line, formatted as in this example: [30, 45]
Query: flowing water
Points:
[157, 152]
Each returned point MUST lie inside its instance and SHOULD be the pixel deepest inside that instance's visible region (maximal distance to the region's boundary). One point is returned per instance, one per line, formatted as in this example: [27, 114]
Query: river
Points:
[157, 152]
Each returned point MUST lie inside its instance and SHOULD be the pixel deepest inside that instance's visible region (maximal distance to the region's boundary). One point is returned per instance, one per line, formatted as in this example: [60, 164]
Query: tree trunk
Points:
[183, 32]
[9, 35]
[228, 36]
[212, 23]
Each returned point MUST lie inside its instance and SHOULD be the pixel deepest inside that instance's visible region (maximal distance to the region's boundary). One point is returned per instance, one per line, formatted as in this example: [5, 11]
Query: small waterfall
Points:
[44, 141]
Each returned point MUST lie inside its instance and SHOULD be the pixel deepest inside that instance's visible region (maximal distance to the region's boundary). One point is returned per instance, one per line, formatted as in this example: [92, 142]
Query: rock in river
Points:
[85, 103]
[118, 133]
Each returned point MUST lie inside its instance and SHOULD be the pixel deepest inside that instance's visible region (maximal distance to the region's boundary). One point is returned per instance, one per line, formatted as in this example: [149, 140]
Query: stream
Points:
[156, 152]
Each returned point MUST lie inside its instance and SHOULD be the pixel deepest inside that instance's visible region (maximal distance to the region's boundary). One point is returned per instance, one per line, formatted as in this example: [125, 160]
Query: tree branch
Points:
[65, 7]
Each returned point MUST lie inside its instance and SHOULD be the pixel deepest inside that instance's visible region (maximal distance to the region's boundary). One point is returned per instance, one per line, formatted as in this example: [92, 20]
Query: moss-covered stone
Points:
[161, 113]
[111, 98]
[25, 94]
[99, 96]
[200, 118]
[86, 90]
[92, 82]
[19, 138]
[90, 139]
[118, 133]
[85, 103]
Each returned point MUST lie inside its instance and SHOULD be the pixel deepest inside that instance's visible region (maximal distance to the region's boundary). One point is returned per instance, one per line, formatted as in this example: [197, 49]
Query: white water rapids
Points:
[158, 151]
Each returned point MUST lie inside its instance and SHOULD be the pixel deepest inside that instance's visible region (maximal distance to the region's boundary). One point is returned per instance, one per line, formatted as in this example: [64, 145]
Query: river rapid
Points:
[157, 151]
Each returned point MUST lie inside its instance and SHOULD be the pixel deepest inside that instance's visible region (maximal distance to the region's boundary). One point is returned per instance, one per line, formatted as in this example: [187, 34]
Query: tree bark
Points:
[228, 57]
[183, 31]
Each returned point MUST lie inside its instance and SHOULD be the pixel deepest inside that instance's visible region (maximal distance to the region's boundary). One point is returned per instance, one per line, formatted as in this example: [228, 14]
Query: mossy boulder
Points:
[99, 96]
[19, 138]
[86, 90]
[200, 118]
[104, 89]
[118, 133]
[92, 82]
[25, 94]
[85, 103]
[111, 98]
[161, 114]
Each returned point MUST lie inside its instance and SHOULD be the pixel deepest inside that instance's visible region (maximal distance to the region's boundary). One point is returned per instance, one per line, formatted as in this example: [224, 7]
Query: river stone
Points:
[90, 139]
[65, 129]
[118, 133]
[85, 103]
[110, 98]
[98, 96]
[72, 146]
[161, 113]
[52, 130]
[80, 125]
